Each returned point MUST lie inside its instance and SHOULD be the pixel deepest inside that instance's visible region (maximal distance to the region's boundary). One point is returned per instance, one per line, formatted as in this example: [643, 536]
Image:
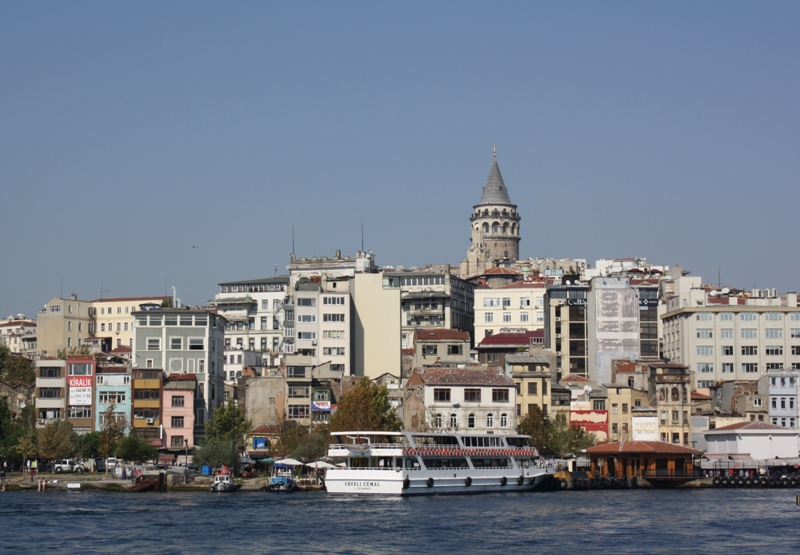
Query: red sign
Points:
[82, 381]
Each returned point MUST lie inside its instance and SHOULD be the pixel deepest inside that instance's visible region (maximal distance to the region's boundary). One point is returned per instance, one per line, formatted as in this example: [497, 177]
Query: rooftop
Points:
[631, 447]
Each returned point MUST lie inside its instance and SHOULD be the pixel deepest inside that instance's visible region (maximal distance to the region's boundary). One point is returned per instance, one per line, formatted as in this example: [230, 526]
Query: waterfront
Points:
[623, 521]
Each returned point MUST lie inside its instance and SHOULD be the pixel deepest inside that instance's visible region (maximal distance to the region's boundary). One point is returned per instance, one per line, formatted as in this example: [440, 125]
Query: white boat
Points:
[417, 463]
[223, 481]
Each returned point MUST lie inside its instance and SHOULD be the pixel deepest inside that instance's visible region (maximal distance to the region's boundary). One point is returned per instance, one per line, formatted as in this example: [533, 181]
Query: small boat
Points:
[424, 463]
[282, 478]
[143, 484]
[223, 481]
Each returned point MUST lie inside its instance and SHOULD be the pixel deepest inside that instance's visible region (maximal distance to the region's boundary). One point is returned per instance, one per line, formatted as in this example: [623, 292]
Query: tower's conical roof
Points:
[495, 192]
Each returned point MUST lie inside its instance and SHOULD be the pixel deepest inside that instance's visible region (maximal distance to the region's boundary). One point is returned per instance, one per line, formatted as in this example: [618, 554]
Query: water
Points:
[621, 521]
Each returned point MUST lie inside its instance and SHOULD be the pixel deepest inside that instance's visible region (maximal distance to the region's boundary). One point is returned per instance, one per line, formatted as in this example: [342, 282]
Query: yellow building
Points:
[620, 403]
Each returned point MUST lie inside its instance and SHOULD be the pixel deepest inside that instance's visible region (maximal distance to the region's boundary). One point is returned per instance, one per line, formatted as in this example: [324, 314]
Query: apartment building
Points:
[184, 341]
[62, 324]
[612, 325]
[113, 389]
[519, 305]
[112, 318]
[532, 378]
[566, 328]
[669, 392]
[440, 346]
[725, 342]
[51, 390]
[178, 412]
[782, 391]
[19, 335]
[147, 387]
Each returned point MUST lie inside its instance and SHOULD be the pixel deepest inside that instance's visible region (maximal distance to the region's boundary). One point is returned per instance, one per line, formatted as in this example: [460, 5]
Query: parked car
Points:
[63, 465]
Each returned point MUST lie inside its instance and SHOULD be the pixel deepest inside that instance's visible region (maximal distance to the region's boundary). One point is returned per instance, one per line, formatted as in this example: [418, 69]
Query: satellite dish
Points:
[587, 388]
[713, 293]
[725, 290]
[567, 282]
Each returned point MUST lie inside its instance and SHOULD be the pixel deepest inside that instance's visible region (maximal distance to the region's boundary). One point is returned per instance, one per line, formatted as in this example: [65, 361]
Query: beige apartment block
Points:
[63, 324]
[517, 306]
[113, 318]
[376, 324]
[621, 401]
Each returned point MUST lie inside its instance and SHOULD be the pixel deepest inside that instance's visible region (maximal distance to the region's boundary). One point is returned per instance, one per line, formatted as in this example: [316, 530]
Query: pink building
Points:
[178, 412]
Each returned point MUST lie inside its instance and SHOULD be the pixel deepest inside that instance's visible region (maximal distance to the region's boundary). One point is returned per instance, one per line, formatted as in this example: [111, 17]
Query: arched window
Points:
[486, 228]
[453, 421]
[505, 229]
[495, 228]
[471, 421]
[489, 420]
[662, 394]
[504, 420]
[438, 420]
[505, 212]
[513, 229]
[676, 395]
[486, 212]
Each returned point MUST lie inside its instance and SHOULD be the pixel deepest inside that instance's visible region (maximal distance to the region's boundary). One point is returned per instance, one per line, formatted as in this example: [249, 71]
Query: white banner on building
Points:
[645, 428]
[80, 390]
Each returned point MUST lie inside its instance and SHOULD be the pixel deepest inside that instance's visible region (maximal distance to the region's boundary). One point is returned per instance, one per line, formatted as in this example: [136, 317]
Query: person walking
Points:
[3, 477]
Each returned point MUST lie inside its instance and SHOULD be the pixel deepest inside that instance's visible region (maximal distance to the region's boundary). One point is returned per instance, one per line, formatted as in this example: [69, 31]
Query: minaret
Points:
[495, 227]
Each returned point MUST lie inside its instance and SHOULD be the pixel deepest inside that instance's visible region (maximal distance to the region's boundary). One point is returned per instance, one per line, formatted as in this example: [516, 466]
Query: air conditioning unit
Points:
[558, 318]
[149, 420]
[558, 353]
[558, 336]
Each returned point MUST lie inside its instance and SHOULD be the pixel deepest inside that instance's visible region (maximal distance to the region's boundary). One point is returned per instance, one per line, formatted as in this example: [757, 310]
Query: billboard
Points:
[644, 428]
[321, 406]
[80, 390]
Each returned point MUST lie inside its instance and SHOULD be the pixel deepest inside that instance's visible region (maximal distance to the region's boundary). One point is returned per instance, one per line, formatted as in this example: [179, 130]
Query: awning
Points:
[740, 457]
[715, 456]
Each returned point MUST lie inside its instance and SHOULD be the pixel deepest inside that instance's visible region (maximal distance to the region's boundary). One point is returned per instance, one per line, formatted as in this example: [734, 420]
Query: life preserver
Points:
[429, 483]
[468, 481]
[503, 481]
[562, 484]
[406, 483]
[520, 480]
[793, 482]
[716, 481]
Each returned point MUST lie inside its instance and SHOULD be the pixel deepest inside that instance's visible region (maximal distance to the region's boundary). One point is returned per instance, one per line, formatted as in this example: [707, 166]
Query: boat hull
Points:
[432, 482]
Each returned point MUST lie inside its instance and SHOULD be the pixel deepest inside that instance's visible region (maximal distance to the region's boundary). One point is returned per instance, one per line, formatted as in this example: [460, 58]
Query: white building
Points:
[612, 325]
[517, 306]
[758, 439]
[782, 388]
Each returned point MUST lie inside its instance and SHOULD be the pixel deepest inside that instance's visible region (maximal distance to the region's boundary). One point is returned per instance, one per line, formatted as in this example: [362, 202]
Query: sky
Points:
[132, 132]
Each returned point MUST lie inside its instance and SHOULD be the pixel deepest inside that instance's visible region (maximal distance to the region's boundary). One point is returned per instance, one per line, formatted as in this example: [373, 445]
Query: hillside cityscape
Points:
[622, 349]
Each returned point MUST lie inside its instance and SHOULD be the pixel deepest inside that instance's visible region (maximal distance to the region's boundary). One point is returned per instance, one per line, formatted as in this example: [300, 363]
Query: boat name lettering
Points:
[362, 484]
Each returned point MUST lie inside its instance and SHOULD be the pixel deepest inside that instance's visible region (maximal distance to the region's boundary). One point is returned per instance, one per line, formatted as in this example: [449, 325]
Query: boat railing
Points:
[365, 446]
[397, 468]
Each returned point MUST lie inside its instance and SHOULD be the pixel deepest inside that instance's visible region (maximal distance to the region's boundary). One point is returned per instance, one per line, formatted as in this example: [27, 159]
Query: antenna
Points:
[292, 239]
[362, 236]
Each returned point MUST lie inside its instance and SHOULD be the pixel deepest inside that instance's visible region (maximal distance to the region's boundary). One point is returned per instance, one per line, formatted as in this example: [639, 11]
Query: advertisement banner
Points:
[644, 428]
[321, 406]
[80, 390]
[259, 443]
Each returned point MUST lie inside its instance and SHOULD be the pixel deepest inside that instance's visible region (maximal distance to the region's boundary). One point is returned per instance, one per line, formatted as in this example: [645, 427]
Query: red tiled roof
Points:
[700, 396]
[506, 339]
[17, 323]
[264, 429]
[574, 378]
[407, 351]
[501, 272]
[122, 349]
[440, 334]
[652, 447]
[465, 376]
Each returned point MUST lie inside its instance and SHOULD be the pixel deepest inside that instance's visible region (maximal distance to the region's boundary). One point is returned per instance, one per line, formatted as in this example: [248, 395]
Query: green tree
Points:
[79, 350]
[537, 425]
[87, 446]
[314, 445]
[5, 420]
[566, 438]
[54, 441]
[228, 423]
[135, 448]
[216, 452]
[112, 433]
[26, 446]
[365, 408]
[15, 369]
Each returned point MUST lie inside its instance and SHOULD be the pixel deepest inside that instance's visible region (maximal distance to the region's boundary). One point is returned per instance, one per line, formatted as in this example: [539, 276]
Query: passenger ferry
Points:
[420, 463]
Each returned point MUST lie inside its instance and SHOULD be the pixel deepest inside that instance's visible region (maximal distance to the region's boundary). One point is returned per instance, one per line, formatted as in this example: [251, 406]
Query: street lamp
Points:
[186, 446]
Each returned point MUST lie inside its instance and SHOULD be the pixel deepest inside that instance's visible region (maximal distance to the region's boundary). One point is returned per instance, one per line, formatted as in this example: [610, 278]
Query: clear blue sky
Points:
[131, 131]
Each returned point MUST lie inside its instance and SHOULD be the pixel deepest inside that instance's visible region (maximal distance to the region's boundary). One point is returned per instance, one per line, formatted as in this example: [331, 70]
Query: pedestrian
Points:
[3, 477]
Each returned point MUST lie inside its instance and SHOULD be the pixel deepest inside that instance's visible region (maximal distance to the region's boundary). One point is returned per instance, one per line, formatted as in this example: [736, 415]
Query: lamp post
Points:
[186, 446]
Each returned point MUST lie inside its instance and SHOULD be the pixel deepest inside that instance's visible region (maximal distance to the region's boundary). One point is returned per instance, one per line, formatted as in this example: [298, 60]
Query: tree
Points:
[15, 369]
[87, 445]
[228, 423]
[566, 437]
[5, 419]
[135, 448]
[537, 425]
[112, 433]
[303, 443]
[365, 408]
[26, 446]
[54, 441]
[216, 452]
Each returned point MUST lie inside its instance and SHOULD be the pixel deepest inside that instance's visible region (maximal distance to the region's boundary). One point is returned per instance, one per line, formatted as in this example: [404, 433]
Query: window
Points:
[774, 350]
[705, 367]
[333, 317]
[306, 302]
[146, 394]
[176, 343]
[773, 317]
[726, 317]
[153, 344]
[79, 412]
[704, 317]
[178, 401]
[472, 396]
[794, 333]
[624, 408]
[727, 367]
[705, 333]
[749, 367]
[727, 350]
[756, 402]
[615, 428]
[748, 317]
[614, 408]
[333, 351]
[333, 334]
[196, 344]
[488, 317]
[306, 335]
[749, 350]
[491, 302]
[489, 420]
[773, 333]
[506, 317]
[80, 369]
[139, 414]
[177, 422]
[112, 397]
[533, 388]
[49, 372]
[524, 302]
[749, 333]
[298, 411]
[453, 421]
[524, 316]
[50, 393]
[500, 395]
[796, 350]
[454, 349]
[471, 421]
[599, 404]
[705, 351]
[333, 300]
[726, 333]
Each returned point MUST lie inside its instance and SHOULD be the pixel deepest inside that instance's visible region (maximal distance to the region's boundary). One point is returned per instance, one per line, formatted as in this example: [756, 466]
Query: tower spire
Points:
[494, 150]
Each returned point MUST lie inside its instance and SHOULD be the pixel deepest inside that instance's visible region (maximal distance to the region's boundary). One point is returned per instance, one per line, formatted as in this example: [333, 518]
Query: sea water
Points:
[611, 521]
